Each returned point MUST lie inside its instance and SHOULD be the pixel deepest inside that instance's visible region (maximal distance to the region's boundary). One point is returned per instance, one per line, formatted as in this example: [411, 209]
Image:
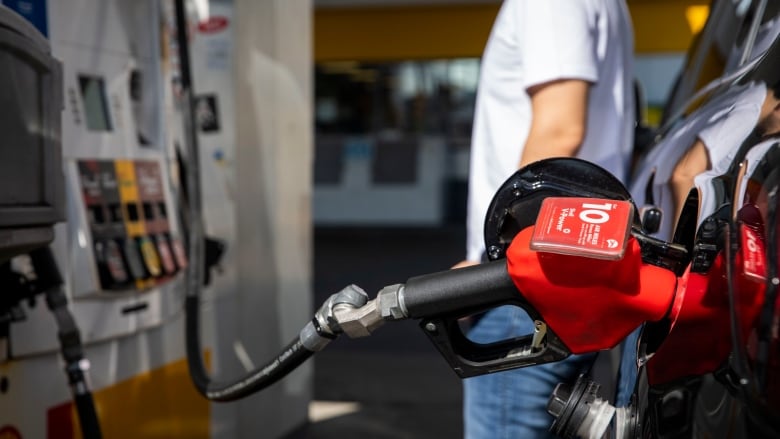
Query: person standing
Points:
[556, 80]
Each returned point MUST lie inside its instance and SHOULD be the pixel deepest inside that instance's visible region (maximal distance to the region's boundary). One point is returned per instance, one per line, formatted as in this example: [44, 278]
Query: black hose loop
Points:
[292, 356]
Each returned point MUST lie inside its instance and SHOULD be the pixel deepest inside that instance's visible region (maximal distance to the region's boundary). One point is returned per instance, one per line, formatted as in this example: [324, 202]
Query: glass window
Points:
[405, 97]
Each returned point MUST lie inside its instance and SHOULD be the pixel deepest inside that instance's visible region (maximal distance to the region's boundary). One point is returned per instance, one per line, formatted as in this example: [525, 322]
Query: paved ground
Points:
[393, 384]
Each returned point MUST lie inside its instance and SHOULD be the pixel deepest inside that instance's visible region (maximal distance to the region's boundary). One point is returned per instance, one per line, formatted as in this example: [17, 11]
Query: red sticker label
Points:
[591, 227]
[753, 259]
[213, 25]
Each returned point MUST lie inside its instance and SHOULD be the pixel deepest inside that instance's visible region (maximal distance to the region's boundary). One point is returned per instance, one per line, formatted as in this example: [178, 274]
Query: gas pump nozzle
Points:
[453, 291]
[439, 300]
[442, 300]
[578, 304]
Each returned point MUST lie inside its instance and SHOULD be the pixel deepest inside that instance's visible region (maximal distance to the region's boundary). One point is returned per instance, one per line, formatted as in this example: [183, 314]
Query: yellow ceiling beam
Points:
[401, 32]
[666, 26]
[374, 33]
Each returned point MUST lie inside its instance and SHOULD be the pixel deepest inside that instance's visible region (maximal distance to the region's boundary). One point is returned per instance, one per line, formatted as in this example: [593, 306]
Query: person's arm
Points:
[558, 123]
[693, 163]
[465, 263]
[559, 118]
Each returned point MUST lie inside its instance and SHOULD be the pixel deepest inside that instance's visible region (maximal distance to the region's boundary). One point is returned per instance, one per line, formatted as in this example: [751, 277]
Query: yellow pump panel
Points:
[161, 404]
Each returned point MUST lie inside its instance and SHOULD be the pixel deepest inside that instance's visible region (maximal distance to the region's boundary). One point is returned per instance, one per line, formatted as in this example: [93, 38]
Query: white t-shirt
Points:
[710, 200]
[724, 136]
[537, 41]
[722, 124]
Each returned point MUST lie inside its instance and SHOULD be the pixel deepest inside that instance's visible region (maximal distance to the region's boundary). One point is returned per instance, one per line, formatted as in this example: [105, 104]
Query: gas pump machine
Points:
[94, 226]
[84, 140]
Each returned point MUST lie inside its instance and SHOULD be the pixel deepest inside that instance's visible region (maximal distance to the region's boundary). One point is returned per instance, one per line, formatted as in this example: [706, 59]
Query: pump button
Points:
[111, 265]
[179, 253]
[166, 255]
[134, 261]
[114, 262]
[150, 258]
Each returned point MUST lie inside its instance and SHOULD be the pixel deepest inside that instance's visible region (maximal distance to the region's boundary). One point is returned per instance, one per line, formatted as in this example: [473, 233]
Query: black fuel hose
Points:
[49, 280]
[294, 353]
[290, 358]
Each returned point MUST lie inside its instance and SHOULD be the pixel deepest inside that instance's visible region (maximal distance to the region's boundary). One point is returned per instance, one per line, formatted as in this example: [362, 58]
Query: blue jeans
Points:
[628, 370]
[513, 404]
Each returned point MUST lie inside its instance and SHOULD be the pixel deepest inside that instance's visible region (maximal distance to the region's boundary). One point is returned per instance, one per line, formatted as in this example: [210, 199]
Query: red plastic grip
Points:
[591, 304]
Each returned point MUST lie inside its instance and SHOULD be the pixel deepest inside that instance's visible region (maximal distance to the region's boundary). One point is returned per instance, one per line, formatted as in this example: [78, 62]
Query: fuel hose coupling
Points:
[350, 312]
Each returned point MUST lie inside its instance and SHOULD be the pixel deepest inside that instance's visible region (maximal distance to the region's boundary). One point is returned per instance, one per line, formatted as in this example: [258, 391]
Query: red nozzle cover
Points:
[591, 304]
[700, 331]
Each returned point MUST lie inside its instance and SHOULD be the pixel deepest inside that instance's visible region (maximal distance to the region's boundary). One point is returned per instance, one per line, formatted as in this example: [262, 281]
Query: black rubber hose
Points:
[49, 279]
[182, 40]
[478, 286]
[293, 354]
[290, 358]
[88, 419]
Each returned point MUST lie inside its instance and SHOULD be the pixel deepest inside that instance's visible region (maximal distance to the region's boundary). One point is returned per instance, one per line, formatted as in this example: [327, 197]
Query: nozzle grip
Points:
[459, 290]
[468, 358]
[441, 299]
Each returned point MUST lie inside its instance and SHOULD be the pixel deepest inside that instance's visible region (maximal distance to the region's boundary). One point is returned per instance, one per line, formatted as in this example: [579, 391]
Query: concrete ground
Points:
[393, 384]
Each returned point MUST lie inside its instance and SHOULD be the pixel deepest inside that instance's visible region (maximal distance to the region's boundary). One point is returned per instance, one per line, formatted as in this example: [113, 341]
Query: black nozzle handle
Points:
[461, 289]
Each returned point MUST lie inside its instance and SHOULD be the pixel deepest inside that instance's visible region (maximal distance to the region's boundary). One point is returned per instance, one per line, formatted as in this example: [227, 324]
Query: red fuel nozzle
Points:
[591, 304]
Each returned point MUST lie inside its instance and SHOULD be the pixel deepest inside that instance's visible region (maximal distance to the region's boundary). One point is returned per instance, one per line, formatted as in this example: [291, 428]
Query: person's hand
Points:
[465, 263]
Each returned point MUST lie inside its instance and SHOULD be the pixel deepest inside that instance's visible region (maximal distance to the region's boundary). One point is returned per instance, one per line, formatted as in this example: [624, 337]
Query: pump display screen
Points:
[93, 94]
[21, 152]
